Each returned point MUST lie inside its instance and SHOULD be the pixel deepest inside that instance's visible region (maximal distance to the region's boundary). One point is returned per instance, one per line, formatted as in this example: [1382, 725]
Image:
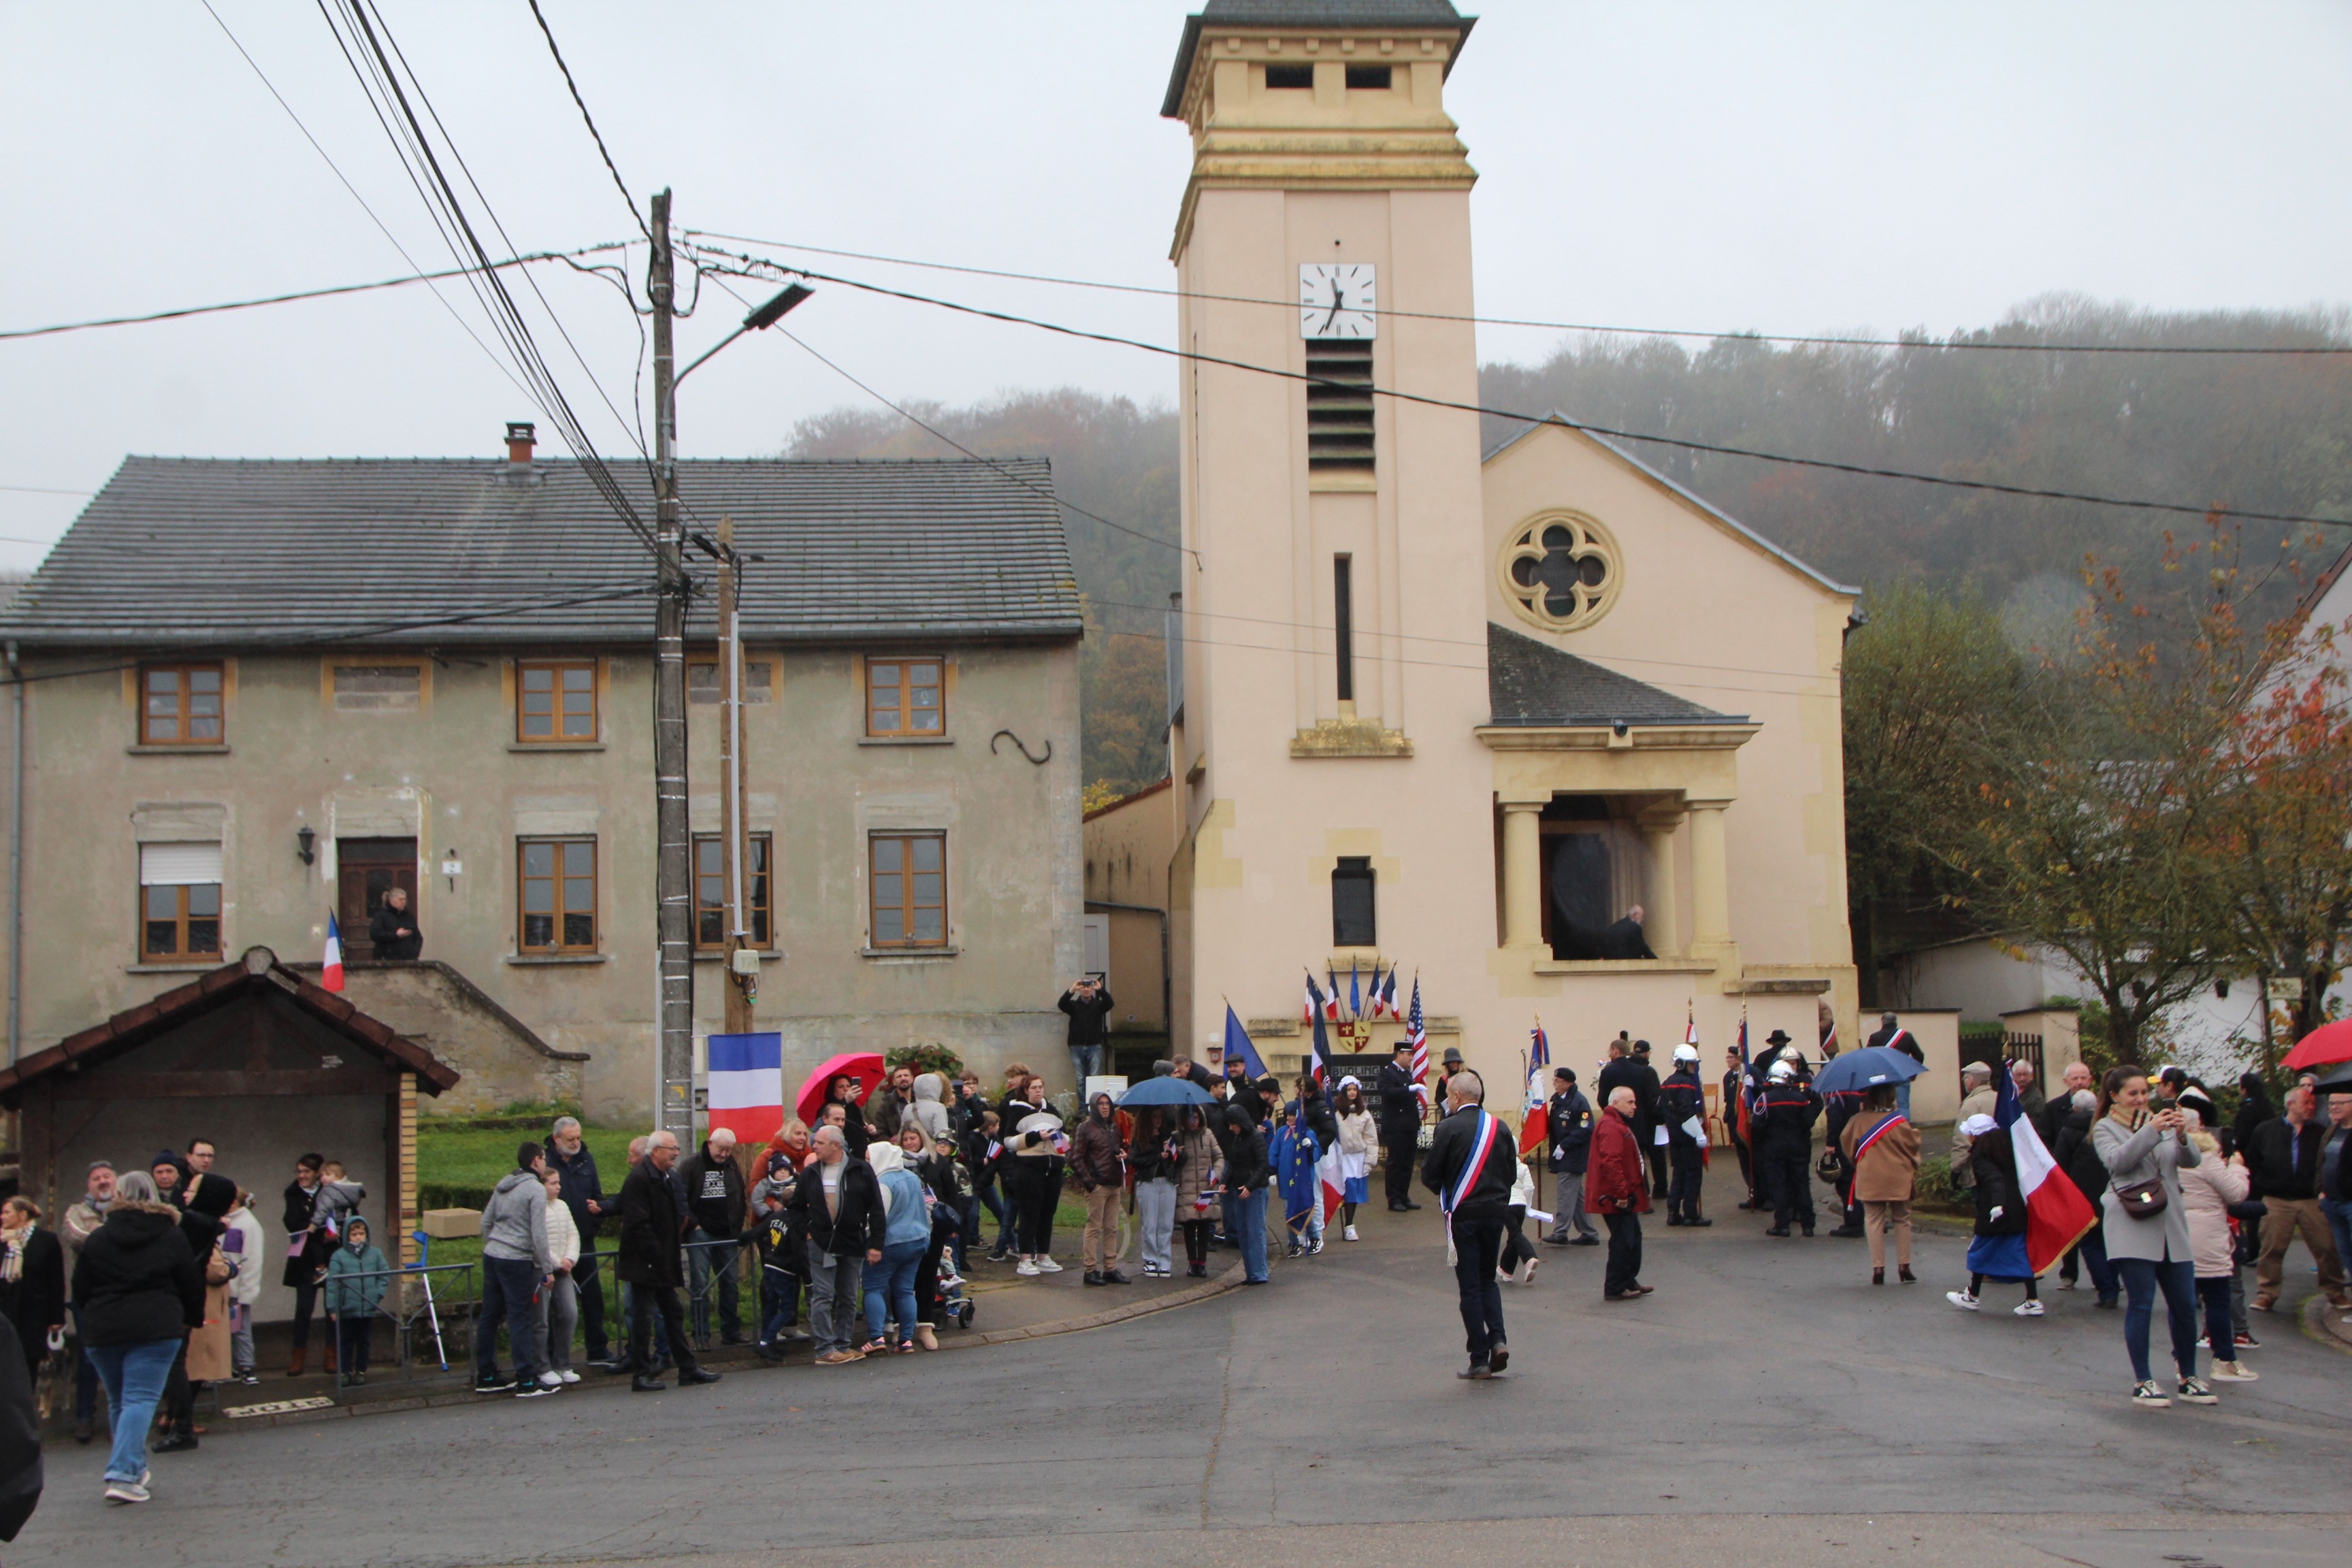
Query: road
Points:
[1766, 1406]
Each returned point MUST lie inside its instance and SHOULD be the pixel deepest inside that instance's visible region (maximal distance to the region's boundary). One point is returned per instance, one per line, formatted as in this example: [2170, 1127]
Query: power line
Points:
[630, 201]
[1972, 346]
[326, 293]
[1995, 487]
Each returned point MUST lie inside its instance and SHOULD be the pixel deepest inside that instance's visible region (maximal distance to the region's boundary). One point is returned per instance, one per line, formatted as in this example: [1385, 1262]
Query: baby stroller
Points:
[949, 1300]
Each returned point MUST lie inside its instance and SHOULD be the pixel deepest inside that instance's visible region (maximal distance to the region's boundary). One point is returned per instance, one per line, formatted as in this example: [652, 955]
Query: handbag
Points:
[2141, 1200]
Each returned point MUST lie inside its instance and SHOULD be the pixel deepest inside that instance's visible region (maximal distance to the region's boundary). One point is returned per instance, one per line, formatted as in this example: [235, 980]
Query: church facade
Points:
[1534, 724]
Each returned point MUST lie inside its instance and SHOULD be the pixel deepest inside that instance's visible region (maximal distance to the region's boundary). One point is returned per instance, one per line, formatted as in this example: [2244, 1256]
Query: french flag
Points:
[331, 968]
[1385, 994]
[2057, 1216]
[1535, 1121]
[745, 1085]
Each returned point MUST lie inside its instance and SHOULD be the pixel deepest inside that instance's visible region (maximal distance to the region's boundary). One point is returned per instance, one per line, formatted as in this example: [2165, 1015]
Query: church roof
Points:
[1534, 685]
[1310, 14]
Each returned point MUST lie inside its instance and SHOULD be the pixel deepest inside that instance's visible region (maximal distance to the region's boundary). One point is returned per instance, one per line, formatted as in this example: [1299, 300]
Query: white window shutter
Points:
[178, 865]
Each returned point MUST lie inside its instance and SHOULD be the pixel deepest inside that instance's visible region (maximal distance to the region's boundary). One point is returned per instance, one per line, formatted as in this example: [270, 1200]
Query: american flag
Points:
[1419, 1039]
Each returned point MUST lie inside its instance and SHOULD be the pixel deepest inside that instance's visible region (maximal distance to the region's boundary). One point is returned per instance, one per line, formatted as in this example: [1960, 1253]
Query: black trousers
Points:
[1789, 1181]
[590, 1284]
[647, 1302]
[306, 1302]
[1516, 1249]
[1034, 1192]
[1746, 1166]
[1196, 1241]
[1656, 1155]
[1682, 1192]
[1403, 1156]
[1477, 1249]
[1624, 1252]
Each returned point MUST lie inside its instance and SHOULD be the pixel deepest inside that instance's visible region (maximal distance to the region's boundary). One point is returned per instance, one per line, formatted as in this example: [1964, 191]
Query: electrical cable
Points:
[590, 120]
[1865, 470]
[1552, 326]
[326, 293]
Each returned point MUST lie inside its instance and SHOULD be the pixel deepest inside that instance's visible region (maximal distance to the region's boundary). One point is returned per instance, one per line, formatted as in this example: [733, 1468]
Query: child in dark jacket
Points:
[1999, 1250]
[355, 1288]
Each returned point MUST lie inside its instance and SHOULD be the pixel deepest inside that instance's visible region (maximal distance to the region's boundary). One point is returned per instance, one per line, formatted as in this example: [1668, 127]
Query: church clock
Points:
[1337, 299]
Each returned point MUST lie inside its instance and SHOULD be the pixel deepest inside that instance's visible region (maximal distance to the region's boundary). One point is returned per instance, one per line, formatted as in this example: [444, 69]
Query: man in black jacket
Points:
[393, 930]
[1785, 1147]
[2282, 1158]
[651, 1229]
[1643, 1080]
[1472, 1166]
[1682, 1105]
[713, 1184]
[1569, 1119]
[837, 1204]
[1735, 1088]
[1400, 1126]
[1248, 1175]
[1088, 1004]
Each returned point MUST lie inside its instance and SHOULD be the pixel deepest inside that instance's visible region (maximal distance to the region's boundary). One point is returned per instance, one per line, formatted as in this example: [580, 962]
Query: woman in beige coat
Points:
[2208, 1188]
[1886, 1178]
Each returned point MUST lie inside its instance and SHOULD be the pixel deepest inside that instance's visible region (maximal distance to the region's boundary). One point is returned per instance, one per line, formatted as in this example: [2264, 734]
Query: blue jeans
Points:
[2093, 1250]
[1903, 1098]
[2142, 1280]
[890, 1289]
[134, 1377]
[2213, 1295]
[1087, 1061]
[1248, 1215]
[780, 1291]
[2339, 1225]
[706, 1256]
[507, 1286]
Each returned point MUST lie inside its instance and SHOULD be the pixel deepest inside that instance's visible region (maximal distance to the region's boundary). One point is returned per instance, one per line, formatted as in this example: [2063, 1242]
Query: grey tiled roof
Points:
[1533, 684]
[199, 550]
[1306, 14]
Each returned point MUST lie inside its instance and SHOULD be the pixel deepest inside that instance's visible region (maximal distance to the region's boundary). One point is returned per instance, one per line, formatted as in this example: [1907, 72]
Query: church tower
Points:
[1334, 608]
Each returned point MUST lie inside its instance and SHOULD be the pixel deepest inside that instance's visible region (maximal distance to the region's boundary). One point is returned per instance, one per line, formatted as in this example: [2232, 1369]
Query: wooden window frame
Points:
[183, 918]
[758, 884]
[907, 906]
[182, 719]
[557, 878]
[523, 667]
[907, 663]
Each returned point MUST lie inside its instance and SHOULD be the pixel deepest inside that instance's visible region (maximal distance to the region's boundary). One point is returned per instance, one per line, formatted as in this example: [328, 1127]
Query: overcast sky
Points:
[1780, 168]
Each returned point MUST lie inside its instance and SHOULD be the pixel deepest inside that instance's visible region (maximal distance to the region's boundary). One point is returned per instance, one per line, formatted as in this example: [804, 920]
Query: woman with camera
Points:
[2145, 1147]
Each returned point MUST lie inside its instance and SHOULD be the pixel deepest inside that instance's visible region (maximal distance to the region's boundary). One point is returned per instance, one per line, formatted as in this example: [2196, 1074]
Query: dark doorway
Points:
[368, 868]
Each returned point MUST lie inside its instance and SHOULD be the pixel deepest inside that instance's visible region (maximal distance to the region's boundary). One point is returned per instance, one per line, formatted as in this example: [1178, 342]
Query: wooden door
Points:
[367, 869]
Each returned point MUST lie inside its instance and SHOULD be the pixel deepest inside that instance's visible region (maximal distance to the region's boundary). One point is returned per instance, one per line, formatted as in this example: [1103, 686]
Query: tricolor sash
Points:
[1482, 1148]
[1862, 1145]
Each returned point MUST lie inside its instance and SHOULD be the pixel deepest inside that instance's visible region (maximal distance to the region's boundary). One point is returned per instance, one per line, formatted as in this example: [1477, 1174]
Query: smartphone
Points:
[2162, 1103]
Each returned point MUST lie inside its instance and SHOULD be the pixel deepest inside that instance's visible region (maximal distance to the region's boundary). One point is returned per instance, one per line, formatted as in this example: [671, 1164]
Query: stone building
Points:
[261, 693]
[1458, 710]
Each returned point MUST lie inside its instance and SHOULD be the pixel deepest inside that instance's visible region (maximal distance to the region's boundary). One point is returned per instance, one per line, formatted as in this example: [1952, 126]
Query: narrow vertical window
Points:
[1343, 603]
[557, 879]
[907, 884]
[179, 903]
[1352, 903]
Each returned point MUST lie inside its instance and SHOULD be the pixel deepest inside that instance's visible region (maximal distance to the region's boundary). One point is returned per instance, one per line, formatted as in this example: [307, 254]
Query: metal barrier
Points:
[410, 1295]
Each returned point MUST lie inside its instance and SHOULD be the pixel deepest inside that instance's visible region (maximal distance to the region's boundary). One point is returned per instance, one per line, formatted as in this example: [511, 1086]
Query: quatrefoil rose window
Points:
[1561, 571]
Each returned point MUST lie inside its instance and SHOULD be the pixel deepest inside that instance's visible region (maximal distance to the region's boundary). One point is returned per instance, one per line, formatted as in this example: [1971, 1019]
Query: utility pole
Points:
[673, 868]
[743, 960]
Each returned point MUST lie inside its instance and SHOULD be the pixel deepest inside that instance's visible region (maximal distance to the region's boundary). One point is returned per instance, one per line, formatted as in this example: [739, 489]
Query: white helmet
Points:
[1781, 1071]
[1686, 1052]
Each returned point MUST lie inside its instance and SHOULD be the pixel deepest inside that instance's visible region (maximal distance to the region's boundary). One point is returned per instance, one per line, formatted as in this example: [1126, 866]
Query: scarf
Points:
[12, 1254]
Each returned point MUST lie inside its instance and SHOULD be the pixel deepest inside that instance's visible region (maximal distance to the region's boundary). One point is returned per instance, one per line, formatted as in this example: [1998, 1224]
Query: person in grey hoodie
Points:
[929, 1106]
[516, 1263]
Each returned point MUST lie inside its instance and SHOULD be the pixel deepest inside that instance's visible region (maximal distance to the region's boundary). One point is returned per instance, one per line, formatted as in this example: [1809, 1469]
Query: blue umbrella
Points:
[1866, 1068]
[1165, 1091]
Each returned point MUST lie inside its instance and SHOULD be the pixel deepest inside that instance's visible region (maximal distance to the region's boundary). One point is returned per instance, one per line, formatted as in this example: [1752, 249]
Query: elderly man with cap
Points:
[1682, 1112]
[1785, 1143]
[1399, 1125]
[1570, 1116]
[1976, 1099]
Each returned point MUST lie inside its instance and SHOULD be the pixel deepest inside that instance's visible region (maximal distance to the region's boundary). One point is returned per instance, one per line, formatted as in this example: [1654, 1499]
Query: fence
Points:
[1994, 1045]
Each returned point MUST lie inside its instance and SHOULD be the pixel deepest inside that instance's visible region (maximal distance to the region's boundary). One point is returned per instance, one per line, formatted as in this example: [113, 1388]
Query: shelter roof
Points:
[1532, 684]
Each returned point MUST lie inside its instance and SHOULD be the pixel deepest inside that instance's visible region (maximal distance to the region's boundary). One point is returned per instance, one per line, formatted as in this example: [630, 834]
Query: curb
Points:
[2323, 1322]
[225, 1424]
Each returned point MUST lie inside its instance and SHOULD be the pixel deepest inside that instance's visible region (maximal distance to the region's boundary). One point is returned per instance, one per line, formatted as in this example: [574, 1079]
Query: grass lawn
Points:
[457, 1165]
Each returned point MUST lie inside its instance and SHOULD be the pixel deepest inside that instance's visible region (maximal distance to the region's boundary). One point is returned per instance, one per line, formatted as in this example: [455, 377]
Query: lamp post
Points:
[673, 868]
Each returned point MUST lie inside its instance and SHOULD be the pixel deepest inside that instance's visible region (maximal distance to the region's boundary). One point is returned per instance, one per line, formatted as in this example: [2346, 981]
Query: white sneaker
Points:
[568, 1375]
[2194, 1391]
[1026, 1268]
[2028, 1309]
[126, 1491]
[2148, 1397]
[1350, 1233]
[1962, 1299]
[2231, 1372]
[1047, 1266]
[549, 1380]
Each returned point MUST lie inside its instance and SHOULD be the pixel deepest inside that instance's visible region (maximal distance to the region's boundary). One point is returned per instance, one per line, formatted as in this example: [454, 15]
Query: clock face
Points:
[1336, 300]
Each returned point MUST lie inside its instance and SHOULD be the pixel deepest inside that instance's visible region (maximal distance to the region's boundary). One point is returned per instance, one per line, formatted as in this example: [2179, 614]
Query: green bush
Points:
[1935, 1184]
[929, 1056]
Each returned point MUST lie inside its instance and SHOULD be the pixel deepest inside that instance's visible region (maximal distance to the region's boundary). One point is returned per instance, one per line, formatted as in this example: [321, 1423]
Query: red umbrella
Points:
[866, 1066]
[2329, 1043]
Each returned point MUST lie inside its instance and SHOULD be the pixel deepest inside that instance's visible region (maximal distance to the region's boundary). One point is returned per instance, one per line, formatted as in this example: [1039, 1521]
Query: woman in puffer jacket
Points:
[2208, 1188]
[1199, 1168]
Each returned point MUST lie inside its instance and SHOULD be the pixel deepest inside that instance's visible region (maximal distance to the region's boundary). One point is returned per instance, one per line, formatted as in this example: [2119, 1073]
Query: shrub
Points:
[932, 1056]
[1935, 1184]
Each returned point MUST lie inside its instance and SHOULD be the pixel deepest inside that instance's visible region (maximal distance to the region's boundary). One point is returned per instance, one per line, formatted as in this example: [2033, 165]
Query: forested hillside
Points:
[2269, 433]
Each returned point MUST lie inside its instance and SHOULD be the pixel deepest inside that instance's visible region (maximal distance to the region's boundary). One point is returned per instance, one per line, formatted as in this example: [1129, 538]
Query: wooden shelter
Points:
[262, 1062]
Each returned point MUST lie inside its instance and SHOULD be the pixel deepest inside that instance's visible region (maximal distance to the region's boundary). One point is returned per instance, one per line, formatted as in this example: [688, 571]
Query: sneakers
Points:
[2028, 1309]
[1962, 1299]
[2196, 1391]
[1479, 1372]
[1046, 1265]
[127, 1492]
[2148, 1397]
[568, 1375]
[1296, 1251]
[551, 1380]
[1350, 1235]
[2231, 1372]
[496, 1382]
[2247, 1341]
[839, 1358]
[534, 1391]
[1317, 1246]
[1026, 1269]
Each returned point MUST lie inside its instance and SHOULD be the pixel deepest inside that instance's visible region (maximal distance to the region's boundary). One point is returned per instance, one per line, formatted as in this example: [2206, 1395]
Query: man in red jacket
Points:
[1616, 1190]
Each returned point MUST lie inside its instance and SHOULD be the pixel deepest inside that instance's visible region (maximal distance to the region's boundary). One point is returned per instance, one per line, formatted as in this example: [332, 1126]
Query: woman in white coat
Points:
[2144, 1152]
[1359, 1145]
[2208, 1188]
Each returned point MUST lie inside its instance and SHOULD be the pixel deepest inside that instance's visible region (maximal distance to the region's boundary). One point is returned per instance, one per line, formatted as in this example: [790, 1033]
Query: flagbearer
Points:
[1400, 1126]
[1471, 1169]
[1682, 1107]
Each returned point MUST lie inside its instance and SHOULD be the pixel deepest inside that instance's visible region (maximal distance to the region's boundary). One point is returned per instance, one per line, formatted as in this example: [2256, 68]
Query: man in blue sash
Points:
[1471, 1164]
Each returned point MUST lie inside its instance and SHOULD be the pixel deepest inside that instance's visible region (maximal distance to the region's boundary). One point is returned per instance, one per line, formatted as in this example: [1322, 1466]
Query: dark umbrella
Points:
[1866, 1068]
[1165, 1091]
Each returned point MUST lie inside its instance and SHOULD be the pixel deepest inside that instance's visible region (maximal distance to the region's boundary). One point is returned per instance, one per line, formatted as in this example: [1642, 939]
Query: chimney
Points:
[520, 438]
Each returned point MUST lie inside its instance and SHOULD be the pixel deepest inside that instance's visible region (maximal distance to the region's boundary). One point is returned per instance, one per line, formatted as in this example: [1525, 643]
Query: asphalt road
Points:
[1765, 1406]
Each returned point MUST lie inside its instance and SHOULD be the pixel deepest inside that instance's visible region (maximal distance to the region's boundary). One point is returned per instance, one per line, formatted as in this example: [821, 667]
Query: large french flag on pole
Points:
[2056, 1213]
[1534, 1120]
[746, 1085]
[330, 965]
